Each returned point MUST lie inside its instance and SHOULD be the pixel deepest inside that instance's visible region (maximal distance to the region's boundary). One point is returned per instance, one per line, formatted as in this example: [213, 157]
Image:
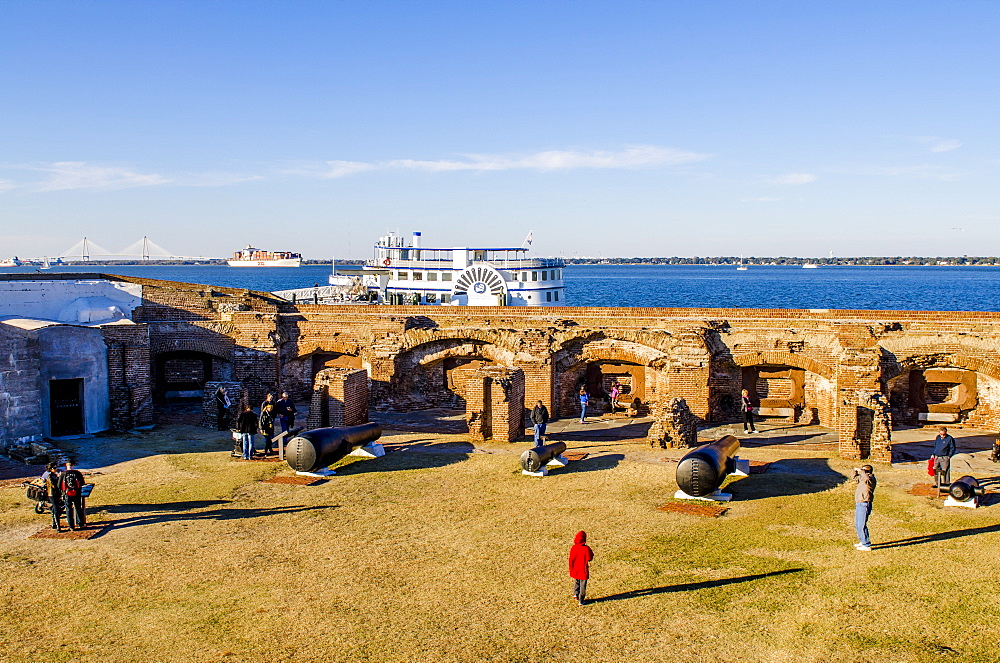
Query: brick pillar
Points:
[689, 374]
[129, 376]
[339, 398]
[537, 384]
[860, 425]
[238, 397]
[495, 404]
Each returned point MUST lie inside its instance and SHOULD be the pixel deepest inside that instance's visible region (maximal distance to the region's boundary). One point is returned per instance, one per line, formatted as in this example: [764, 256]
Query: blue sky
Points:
[614, 129]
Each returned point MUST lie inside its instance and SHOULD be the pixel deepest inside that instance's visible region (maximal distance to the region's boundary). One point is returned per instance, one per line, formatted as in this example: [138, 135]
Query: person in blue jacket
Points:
[944, 449]
[584, 400]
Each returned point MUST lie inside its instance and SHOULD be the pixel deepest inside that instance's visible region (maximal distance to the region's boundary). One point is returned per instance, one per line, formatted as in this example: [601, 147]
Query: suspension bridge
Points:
[142, 249]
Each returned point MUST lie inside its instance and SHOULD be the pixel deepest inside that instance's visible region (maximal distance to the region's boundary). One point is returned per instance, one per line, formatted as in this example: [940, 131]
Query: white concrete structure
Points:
[82, 301]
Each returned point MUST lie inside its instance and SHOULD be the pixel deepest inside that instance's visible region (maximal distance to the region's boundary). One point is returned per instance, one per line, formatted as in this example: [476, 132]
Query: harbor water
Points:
[923, 288]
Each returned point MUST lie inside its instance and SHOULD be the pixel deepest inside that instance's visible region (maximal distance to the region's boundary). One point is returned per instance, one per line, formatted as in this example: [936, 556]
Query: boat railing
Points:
[526, 263]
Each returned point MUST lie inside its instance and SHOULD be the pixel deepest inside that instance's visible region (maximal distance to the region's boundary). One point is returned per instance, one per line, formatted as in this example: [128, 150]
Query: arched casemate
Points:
[783, 385]
[927, 386]
[597, 362]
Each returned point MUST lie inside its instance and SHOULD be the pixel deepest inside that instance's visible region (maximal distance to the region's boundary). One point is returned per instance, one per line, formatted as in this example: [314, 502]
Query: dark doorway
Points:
[66, 407]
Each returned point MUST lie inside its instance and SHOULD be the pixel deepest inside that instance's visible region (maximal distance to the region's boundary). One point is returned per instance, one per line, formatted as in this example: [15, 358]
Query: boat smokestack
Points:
[416, 240]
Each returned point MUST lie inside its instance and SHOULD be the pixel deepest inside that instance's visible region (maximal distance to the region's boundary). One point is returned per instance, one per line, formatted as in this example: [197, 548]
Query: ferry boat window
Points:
[557, 295]
[548, 295]
[524, 276]
[545, 275]
[479, 256]
[432, 276]
[403, 276]
[446, 277]
[431, 298]
[418, 276]
[534, 276]
[552, 275]
[446, 298]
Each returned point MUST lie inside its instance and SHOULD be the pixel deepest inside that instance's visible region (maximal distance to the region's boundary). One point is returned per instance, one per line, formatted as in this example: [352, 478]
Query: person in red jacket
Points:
[579, 566]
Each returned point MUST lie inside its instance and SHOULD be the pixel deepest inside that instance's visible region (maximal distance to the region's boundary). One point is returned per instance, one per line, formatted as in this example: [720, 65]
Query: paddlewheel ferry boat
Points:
[407, 273]
[251, 257]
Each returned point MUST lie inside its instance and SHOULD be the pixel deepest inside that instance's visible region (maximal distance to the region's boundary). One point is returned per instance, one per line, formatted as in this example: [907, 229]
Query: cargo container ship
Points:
[251, 257]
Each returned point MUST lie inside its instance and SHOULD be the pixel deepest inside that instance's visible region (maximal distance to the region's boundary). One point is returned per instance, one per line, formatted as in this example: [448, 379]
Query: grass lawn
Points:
[433, 555]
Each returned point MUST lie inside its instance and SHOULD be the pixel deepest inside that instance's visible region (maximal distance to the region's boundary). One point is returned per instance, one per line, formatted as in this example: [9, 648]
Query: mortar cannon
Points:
[318, 448]
[964, 489]
[534, 460]
[701, 471]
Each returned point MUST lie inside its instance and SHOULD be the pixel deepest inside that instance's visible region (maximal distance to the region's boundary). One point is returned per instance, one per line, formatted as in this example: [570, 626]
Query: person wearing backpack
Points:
[71, 483]
[51, 478]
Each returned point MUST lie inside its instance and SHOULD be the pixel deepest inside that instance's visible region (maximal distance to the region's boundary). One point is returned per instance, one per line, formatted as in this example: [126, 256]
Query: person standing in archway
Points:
[539, 418]
[748, 426]
[584, 400]
[944, 449]
[268, 413]
[222, 406]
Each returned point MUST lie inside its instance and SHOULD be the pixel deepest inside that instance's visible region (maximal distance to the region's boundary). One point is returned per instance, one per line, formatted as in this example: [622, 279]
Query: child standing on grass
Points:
[579, 566]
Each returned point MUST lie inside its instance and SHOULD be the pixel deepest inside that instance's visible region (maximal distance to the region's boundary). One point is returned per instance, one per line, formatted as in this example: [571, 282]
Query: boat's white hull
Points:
[285, 262]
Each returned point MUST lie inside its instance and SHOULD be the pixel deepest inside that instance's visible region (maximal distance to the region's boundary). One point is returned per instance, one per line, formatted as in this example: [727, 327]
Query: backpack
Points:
[70, 484]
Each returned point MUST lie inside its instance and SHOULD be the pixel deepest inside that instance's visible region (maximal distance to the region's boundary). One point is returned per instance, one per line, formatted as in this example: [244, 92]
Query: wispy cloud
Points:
[795, 178]
[938, 144]
[634, 156]
[67, 175]
[921, 172]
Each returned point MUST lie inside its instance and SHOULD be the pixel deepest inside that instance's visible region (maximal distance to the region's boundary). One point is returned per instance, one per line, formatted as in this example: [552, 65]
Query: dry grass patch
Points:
[423, 556]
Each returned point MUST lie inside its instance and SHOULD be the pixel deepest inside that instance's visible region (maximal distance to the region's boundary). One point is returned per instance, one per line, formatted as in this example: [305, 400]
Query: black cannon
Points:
[313, 449]
[533, 460]
[964, 489]
[703, 470]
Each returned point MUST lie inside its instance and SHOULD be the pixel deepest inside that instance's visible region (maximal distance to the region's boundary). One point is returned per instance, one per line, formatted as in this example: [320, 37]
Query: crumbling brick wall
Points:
[495, 404]
[673, 425]
[239, 398]
[129, 377]
[694, 354]
[339, 398]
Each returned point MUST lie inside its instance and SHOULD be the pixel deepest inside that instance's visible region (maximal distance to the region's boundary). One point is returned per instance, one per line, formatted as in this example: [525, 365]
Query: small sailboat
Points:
[810, 265]
[45, 264]
[741, 267]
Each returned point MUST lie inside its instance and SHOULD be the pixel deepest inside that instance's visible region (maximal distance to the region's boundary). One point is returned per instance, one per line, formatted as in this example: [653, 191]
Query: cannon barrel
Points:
[703, 470]
[965, 488]
[313, 449]
[535, 459]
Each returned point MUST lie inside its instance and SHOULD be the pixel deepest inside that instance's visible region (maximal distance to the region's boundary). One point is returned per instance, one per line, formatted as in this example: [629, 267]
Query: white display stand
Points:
[373, 450]
[742, 468]
[558, 461]
[321, 473]
[971, 504]
[717, 496]
[544, 472]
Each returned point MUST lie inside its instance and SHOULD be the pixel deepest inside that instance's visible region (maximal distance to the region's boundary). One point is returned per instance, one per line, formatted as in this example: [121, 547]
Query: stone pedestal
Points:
[675, 425]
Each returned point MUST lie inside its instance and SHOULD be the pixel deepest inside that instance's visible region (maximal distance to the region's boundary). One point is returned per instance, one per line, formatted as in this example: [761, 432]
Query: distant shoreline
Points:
[720, 261]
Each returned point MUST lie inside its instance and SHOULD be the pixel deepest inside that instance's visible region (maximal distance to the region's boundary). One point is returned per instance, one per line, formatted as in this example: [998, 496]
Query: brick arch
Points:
[782, 358]
[327, 346]
[964, 360]
[215, 347]
[501, 339]
[486, 350]
[656, 342]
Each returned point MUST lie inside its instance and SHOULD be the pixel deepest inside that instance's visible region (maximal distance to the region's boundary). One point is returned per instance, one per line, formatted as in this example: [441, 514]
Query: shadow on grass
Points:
[162, 506]
[594, 463]
[420, 457]
[791, 476]
[691, 586]
[216, 514]
[940, 536]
